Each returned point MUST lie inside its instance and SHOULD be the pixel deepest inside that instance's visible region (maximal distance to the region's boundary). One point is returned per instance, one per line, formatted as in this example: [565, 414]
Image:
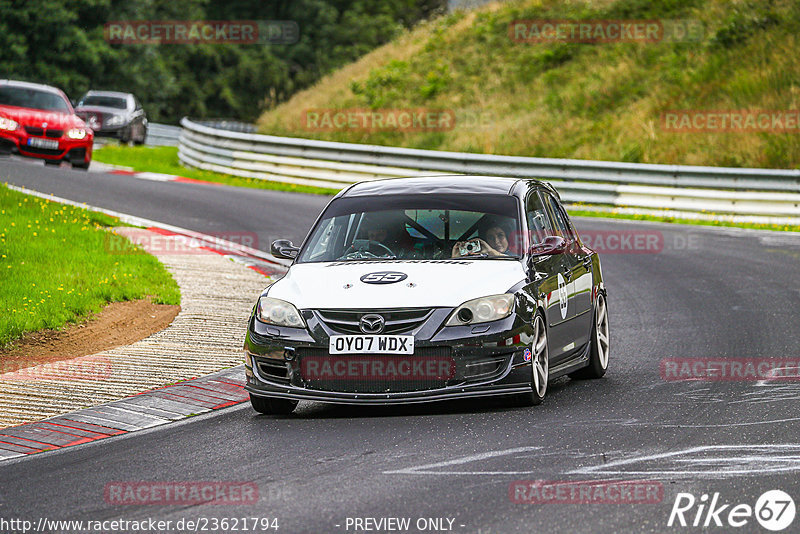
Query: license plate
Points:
[372, 344]
[43, 143]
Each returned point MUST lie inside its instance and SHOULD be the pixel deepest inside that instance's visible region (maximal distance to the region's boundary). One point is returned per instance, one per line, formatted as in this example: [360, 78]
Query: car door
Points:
[548, 277]
[578, 264]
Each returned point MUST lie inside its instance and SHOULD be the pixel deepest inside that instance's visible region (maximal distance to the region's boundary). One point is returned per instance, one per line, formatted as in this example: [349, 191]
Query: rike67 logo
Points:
[774, 510]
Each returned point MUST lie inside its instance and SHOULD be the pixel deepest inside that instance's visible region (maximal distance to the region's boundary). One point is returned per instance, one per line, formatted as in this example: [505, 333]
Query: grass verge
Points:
[56, 266]
[164, 159]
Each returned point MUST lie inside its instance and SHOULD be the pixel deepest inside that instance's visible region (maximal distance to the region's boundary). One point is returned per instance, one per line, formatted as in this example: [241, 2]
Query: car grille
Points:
[51, 132]
[273, 370]
[372, 384]
[40, 151]
[485, 368]
[397, 320]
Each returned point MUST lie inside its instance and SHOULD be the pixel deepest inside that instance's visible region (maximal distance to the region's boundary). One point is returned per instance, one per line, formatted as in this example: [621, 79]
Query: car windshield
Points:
[26, 97]
[104, 101]
[415, 227]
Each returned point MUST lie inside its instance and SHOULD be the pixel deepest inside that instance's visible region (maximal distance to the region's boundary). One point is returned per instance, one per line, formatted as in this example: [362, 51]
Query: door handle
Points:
[568, 275]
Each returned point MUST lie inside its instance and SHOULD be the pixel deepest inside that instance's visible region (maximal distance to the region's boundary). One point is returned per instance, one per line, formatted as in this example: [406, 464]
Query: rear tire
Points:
[271, 406]
[600, 348]
[540, 364]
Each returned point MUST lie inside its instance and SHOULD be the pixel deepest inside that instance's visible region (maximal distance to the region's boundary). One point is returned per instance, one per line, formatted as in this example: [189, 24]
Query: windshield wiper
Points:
[486, 256]
[368, 258]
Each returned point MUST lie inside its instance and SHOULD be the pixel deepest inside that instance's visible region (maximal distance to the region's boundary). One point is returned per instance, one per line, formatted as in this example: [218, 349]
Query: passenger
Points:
[493, 236]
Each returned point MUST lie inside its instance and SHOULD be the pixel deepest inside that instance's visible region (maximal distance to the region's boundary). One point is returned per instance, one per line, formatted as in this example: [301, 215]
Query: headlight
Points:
[8, 124]
[279, 312]
[482, 310]
[115, 120]
[76, 133]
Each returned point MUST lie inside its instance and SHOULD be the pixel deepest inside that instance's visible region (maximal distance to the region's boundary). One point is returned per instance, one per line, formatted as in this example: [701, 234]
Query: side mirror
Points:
[283, 248]
[550, 246]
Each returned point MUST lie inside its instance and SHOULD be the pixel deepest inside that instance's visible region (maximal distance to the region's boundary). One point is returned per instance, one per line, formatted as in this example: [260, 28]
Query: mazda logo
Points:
[372, 323]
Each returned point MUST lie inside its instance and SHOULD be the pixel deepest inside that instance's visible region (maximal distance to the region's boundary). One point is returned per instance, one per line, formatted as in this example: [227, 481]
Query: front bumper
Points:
[113, 132]
[488, 360]
[72, 150]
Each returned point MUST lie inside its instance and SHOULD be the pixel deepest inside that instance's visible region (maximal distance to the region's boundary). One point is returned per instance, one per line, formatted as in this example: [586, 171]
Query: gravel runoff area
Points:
[217, 295]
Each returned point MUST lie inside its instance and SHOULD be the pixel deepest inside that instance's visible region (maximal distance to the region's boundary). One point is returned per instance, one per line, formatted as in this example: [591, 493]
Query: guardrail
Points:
[772, 195]
[162, 135]
[165, 135]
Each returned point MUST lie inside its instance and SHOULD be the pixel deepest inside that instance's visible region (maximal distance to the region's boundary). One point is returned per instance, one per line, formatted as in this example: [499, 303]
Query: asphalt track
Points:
[704, 293]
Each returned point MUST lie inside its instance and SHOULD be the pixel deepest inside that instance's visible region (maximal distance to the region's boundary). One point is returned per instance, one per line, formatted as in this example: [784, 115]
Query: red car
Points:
[38, 121]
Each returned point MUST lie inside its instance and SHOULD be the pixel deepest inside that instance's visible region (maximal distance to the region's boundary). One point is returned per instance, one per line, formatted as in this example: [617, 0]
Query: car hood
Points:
[35, 117]
[436, 283]
[101, 110]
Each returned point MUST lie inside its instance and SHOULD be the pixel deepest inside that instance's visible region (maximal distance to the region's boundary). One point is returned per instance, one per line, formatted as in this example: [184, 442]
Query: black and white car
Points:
[114, 114]
[429, 289]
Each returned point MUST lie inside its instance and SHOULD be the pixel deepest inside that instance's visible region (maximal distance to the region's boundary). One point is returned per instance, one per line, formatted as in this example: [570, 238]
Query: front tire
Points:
[81, 165]
[126, 136]
[540, 364]
[270, 406]
[52, 162]
[600, 349]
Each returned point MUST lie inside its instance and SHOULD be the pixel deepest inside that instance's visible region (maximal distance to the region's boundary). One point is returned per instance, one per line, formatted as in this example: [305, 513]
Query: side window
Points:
[321, 246]
[137, 104]
[539, 225]
[560, 218]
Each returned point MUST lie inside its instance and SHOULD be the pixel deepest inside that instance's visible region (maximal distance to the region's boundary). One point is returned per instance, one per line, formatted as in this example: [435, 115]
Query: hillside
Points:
[576, 100]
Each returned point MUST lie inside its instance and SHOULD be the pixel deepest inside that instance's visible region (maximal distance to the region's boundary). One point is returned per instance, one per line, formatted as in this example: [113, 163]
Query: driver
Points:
[387, 229]
[493, 235]
[378, 234]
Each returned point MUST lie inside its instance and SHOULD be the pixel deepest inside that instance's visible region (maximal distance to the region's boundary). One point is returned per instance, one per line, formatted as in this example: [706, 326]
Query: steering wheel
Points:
[357, 254]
